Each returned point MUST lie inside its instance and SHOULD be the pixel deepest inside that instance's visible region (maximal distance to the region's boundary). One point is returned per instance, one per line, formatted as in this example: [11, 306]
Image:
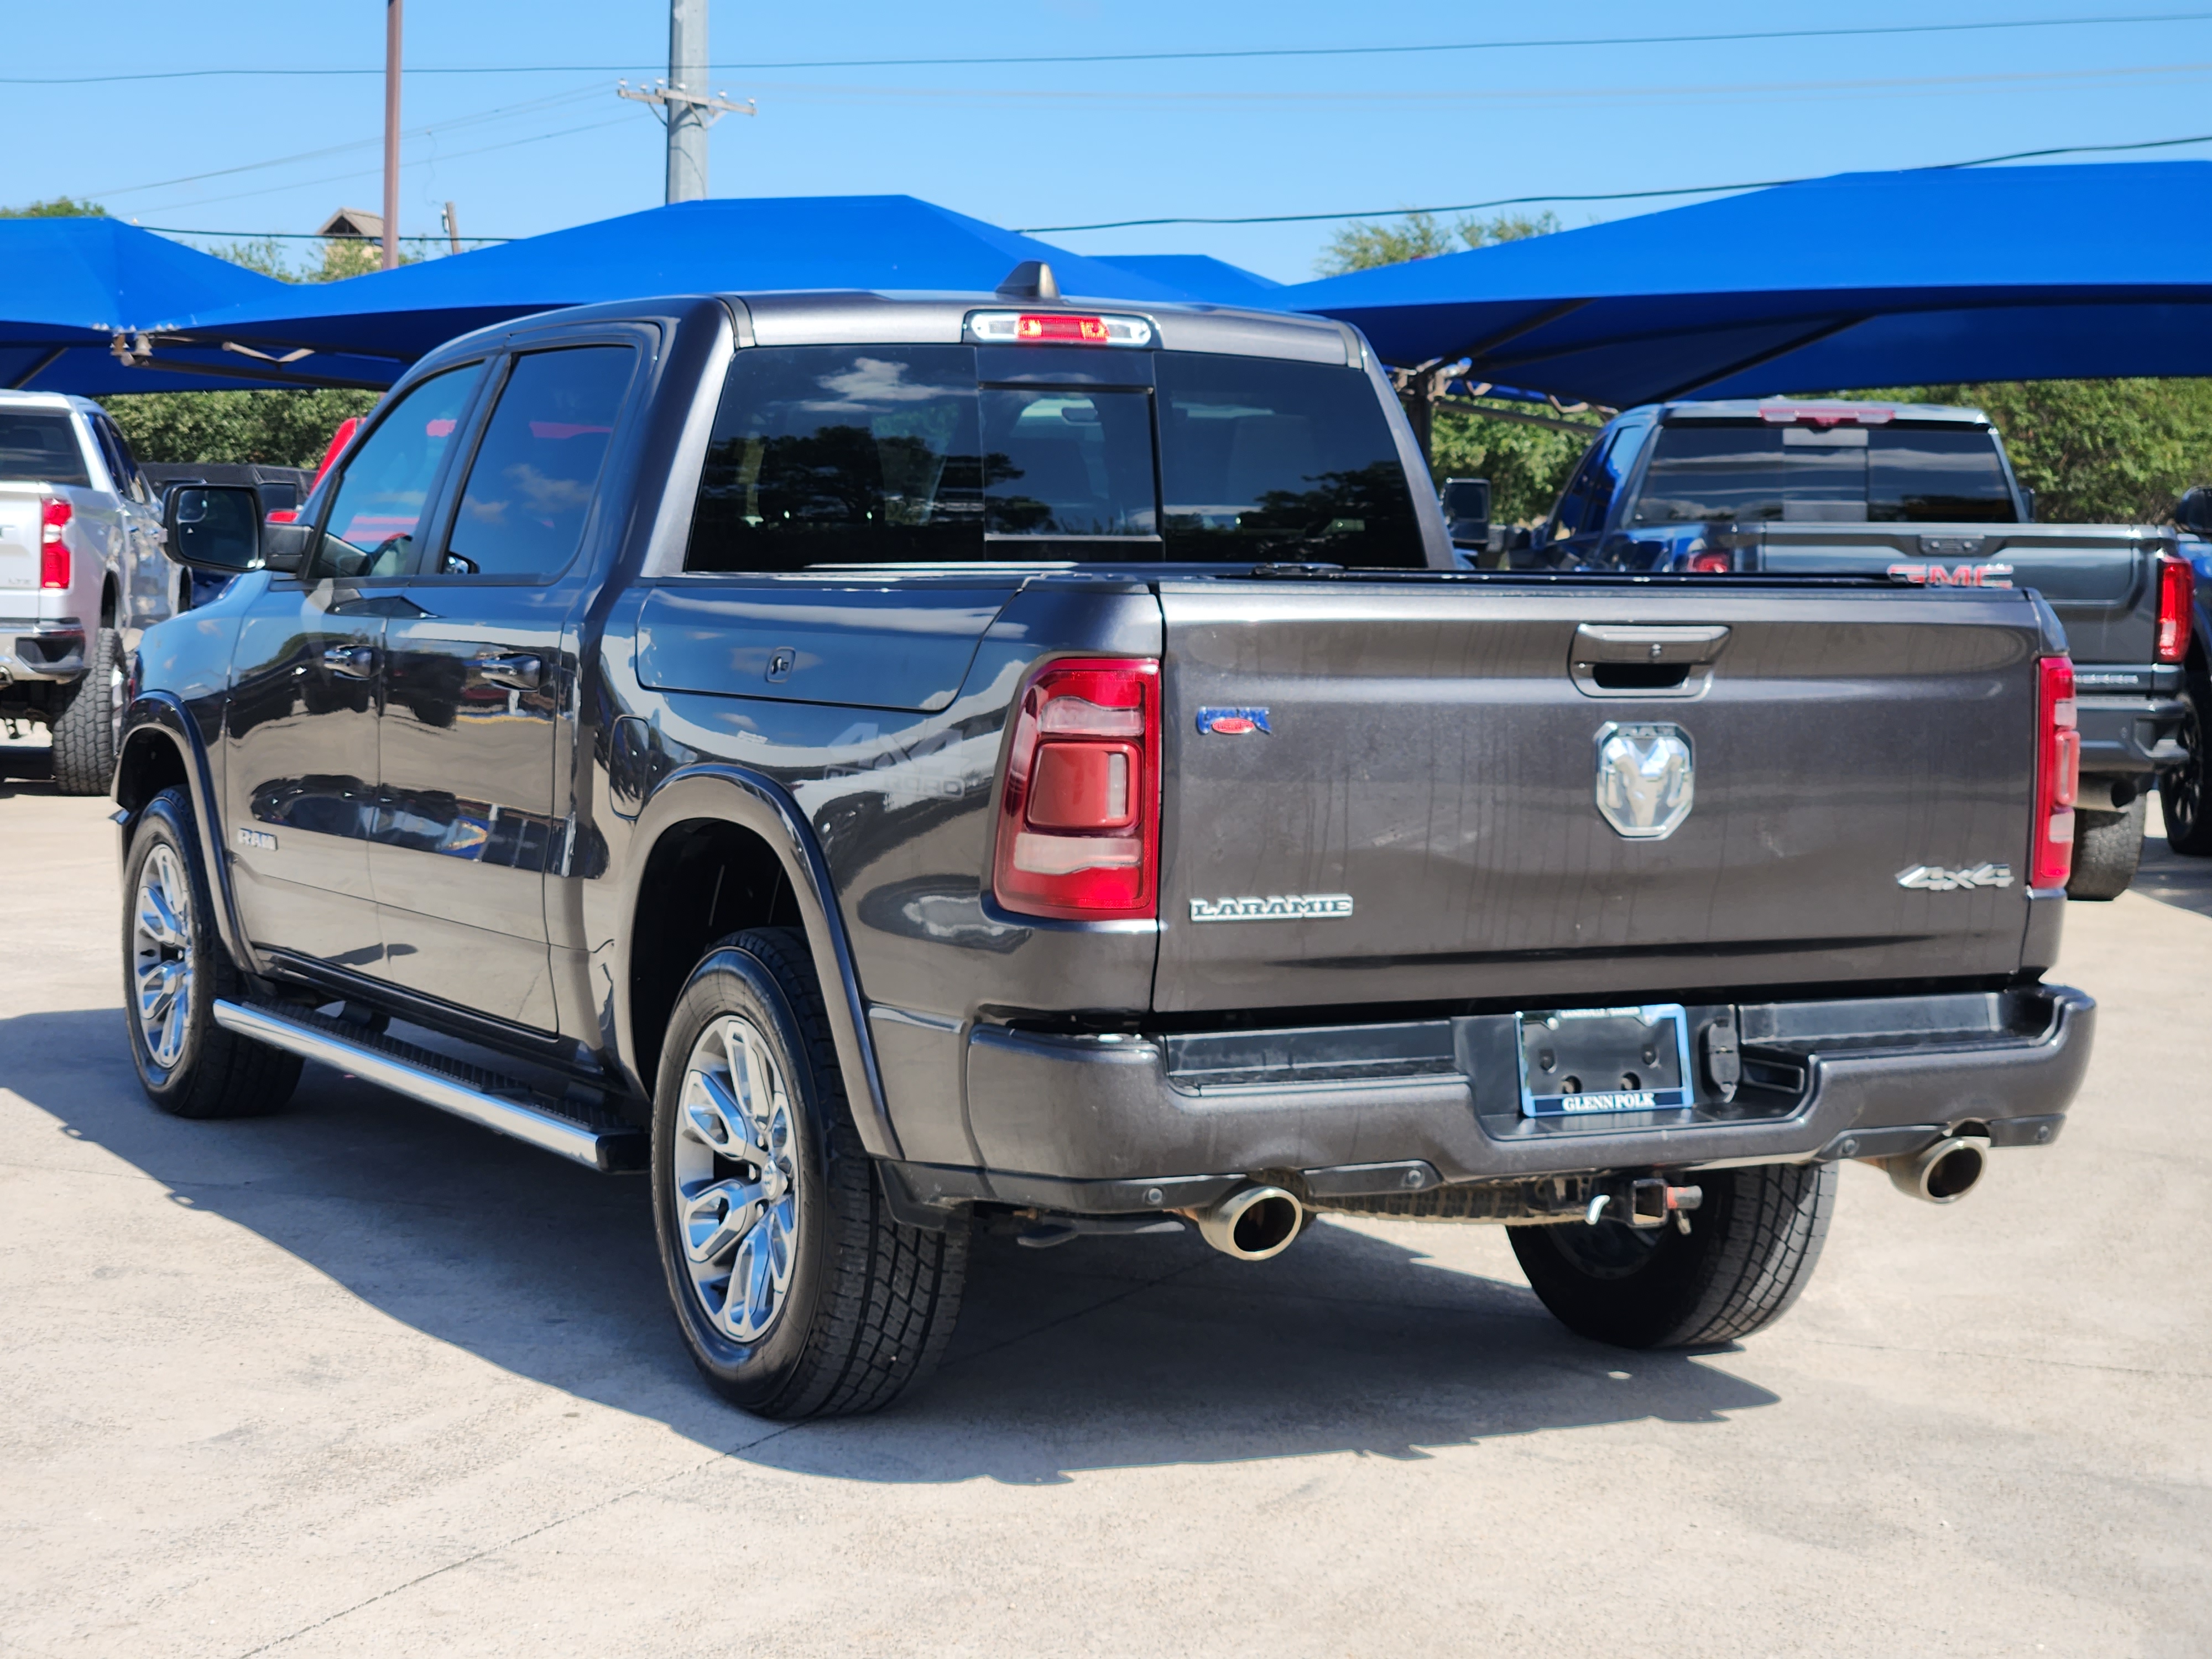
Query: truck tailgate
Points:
[19, 543]
[1425, 752]
[2100, 579]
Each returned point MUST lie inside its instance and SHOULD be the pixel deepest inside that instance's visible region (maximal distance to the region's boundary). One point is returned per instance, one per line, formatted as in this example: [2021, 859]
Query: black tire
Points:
[2107, 847]
[1750, 1247]
[88, 720]
[197, 1069]
[2185, 793]
[868, 1305]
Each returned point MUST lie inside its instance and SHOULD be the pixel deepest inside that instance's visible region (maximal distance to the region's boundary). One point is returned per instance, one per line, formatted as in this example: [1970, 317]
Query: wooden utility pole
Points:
[392, 132]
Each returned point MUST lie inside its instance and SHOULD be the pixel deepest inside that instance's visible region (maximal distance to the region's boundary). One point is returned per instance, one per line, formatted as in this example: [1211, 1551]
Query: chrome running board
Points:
[450, 1085]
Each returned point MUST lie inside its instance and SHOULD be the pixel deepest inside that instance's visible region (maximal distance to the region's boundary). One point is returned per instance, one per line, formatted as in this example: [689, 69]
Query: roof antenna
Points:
[1032, 279]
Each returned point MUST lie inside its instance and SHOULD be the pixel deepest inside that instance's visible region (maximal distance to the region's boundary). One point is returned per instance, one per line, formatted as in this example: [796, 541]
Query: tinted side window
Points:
[376, 513]
[1571, 511]
[842, 455]
[537, 466]
[1928, 477]
[1607, 476]
[122, 463]
[38, 446]
[1274, 460]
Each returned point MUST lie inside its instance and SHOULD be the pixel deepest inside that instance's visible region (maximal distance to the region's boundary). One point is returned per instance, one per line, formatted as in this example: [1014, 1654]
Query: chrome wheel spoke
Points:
[717, 1219]
[161, 956]
[736, 1198]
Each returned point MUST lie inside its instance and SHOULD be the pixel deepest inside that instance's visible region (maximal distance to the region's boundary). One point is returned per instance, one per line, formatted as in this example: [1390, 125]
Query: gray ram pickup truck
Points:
[1921, 493]
[886, 766]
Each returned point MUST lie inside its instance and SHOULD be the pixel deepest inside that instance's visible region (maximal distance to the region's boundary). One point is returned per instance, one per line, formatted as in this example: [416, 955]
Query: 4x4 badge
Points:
[1935, 878]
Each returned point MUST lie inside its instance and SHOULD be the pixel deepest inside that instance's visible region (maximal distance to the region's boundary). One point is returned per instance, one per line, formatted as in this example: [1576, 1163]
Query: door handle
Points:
[517, 673]
[355, 662]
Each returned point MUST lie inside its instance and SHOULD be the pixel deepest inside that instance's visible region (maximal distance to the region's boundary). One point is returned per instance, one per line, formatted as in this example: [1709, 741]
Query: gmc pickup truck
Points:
[890, 765]
[1922, 494]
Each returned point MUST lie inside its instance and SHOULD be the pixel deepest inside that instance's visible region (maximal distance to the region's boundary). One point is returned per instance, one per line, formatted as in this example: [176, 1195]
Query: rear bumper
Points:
[2128, 733]
[1105, 1125]
[41, 649]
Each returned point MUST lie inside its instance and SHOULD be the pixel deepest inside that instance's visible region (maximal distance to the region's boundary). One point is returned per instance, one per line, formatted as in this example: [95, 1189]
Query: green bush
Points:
[277, 428]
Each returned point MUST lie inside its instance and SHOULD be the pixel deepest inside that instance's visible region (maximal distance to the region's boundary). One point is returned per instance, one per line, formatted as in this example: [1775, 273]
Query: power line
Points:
[1601, 195]
[1244, 54]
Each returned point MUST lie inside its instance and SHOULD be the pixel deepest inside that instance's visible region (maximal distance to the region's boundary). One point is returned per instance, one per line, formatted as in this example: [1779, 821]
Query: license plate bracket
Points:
[1585, 1061]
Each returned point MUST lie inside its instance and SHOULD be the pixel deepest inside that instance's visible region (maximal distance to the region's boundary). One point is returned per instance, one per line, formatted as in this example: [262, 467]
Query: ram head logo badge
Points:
[1645, 778]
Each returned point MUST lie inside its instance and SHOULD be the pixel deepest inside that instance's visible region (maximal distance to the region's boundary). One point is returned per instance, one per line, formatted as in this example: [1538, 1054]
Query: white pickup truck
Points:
[81, 574]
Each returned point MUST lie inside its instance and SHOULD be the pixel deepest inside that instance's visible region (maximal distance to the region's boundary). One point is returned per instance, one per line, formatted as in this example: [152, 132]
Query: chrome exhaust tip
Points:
[1252, 1222]
[1943, 1173]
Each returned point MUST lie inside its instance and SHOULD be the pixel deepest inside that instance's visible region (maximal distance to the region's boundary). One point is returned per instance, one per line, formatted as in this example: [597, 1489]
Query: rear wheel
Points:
[174, 967]
[2181, 789]
[2107, 847]
[1752, 1246]
[88, 720]
[796, 1293]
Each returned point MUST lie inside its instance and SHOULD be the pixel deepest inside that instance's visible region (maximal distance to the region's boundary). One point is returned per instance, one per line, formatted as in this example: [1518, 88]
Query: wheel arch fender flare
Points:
[748, 800]
[156, 721]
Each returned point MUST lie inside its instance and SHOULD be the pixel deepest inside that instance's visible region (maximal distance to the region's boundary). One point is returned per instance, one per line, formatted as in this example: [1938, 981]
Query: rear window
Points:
[39, 445]
[1752, 470]
[829, 455]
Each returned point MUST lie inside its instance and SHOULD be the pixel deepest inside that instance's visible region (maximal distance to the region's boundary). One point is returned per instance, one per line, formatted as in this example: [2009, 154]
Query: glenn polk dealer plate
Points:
[1604, 1060]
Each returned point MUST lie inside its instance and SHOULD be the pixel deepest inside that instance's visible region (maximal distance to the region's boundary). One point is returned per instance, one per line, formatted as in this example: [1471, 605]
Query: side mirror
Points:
[1466, 503]
[2193, 514]
[215, 527]
[2026, 505]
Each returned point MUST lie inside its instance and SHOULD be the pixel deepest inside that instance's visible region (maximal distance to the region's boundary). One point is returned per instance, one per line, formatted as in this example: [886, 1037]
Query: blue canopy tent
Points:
[368, 329]
[68, 288]
[1861, 280]
[1200, 276]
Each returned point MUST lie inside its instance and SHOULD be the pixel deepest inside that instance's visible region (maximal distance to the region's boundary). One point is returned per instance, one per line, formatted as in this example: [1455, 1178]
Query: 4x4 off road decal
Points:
[1935, 878]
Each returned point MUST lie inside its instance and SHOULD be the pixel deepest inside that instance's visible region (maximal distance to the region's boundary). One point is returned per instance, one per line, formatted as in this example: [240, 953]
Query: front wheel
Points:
[796, 1293]
[174, 967]
[1752, 1246]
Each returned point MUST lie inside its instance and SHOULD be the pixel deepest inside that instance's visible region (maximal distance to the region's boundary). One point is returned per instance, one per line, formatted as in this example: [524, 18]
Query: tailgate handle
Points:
[1612, 659]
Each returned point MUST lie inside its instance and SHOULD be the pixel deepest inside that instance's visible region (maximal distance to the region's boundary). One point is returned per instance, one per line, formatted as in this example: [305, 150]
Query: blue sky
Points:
[1047, 144]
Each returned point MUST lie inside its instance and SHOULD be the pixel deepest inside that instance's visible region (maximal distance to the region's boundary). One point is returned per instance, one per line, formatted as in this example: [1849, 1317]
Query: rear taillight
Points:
[53, 551]
[1079, 818]
[2057, 775]
[2176, 601]
[1710, 564]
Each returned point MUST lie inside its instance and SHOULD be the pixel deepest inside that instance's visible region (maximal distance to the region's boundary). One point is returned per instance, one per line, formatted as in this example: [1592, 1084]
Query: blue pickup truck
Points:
[1925, 495]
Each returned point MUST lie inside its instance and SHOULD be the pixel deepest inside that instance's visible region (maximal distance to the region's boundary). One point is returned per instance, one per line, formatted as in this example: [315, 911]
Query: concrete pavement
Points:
[364, 1379]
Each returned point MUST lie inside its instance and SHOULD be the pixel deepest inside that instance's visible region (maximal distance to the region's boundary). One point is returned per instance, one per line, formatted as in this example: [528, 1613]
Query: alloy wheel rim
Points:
[161, 956]
[736, 1179]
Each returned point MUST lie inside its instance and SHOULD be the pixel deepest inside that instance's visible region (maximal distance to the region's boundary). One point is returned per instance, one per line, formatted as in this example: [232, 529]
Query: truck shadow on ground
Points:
[1101, 1353]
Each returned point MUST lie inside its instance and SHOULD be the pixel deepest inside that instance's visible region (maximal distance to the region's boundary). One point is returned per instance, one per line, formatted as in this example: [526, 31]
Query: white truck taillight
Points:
[1079, 817]
[53, 551]
[2177, 603]
[2057, 775]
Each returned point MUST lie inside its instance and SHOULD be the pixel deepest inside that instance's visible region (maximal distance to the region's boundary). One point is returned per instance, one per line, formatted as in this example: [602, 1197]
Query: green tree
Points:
[279, 427]
[1362, 244]
[57, 207]
[1527, 466]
